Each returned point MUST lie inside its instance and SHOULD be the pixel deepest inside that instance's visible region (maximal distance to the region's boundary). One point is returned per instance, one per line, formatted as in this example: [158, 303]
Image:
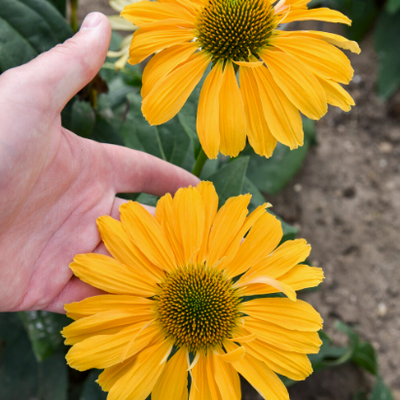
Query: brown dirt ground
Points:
[346, 202]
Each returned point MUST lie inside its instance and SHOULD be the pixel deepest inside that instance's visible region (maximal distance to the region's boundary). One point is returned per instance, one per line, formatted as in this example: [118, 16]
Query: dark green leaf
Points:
[147, 199]
[53, 378]
[392, 6]
[365, 357]
[91, 389]
[43, 329]
[60, 5]
[27, 28]
[380, 391]
[387, 47]
[106, 129]
[229, 180]
[82, 119]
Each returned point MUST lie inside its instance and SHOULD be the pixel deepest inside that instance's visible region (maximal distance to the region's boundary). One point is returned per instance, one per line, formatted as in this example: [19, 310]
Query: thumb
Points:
[57, 75]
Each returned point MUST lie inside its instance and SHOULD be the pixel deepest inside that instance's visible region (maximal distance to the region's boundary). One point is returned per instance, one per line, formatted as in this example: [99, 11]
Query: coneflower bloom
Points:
[280, 73]
[180, 302]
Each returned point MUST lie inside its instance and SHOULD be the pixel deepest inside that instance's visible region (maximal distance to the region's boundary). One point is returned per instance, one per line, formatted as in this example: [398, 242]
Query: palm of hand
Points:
[54, 184]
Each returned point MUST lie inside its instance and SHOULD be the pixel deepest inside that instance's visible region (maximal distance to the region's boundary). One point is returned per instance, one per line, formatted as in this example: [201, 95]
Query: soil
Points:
[346, 202]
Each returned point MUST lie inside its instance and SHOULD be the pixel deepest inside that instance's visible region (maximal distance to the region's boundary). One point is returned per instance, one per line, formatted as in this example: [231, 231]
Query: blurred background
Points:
[341, 192]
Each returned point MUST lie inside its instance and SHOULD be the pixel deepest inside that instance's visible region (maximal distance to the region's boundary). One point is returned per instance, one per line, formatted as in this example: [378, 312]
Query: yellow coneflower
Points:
[280, 73]
[180, 302]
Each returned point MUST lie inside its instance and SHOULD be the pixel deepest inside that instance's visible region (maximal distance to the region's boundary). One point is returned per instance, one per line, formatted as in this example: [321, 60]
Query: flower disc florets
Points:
[197, 307]
[235, 29]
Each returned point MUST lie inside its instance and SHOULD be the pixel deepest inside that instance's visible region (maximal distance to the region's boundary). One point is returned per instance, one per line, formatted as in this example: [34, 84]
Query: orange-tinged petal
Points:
[232, 120]
[317, 14]
[148, 40]
[295, 366]
[147, 234]
[226, 378]
[283, 118]
[189, 212]
[297, 82]
[110, 275]
[96, 304]
[121, 247]
[111, 375]
[285, 339]
[262, 239]
[298, 315]
[262, 378]
[163, 63]
[208, 112]
[172, 383]
[322, 58]
[139, 381]
[210, 197]
[336, 95]
[170, 94]
[144, 12]
[260, 136]
[103, 351]
[227, 223]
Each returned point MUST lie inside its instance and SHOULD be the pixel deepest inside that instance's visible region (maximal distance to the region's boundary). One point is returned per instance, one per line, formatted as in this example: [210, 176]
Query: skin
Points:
[55, 184]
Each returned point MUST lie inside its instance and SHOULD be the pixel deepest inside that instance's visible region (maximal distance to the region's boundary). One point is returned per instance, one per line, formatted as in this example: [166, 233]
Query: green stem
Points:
[200, 161]
[74, 15]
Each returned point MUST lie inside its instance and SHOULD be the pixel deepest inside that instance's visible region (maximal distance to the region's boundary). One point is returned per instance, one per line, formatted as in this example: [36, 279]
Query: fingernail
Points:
[91, 21]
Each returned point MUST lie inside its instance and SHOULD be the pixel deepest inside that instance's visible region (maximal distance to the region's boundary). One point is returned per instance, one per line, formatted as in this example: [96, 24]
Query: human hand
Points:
[53, 183]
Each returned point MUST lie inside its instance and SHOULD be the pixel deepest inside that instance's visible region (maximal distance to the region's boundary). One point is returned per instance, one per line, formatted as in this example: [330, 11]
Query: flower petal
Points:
[234, 355]
[170, 94]
[111, 375]
[317, 14]
[208, 112]
[297, 82]
[260, 136]
[302, 277]
[172, 383]
[200, 388]
[232, 120]
[226, 377]
[336, 95]
[163, 63]
[110, 275]
[147, 234]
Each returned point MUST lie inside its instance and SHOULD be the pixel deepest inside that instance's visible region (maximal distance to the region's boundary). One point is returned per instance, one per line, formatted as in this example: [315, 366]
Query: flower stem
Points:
[74, 15]
[200, 161]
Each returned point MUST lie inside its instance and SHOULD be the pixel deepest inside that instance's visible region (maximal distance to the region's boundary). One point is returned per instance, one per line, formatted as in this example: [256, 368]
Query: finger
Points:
[57, 75]
[136, 172]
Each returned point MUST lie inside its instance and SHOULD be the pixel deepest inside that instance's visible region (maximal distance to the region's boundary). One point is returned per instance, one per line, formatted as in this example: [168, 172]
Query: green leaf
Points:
[229, 180]
[365, 356]
[43, 329]
[107, 128]
[53, 378]
[91, 389]
[271, 175]
[27, 28]
[387, 48]
[392, 6]
[82, 119]
[147, 199]
[60, 5]
[380, 391]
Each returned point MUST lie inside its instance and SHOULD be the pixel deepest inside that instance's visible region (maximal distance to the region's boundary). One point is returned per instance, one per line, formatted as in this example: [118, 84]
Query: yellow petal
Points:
[275, 335]
[262, 239]
[163, 63]
[211, 382]
[149, 40]
[144, 12]
[172, 383]
[317, 14]
[210, 197]
[103, 351]
[282, 260]
[147, 234]
[297, 82]
[249, 64]
[166, 217]
[110, 275]
[208, 112]
[303, 276]
[188, 5]
[227, 223]
[336, 95]
[106, 302]
[245, 338]
[297, 315]
[331, 38]
[121, 247]
[138, 382]
[111, 375]
[260, 136]
[262, 378]
[226, 378]
[322, 58]
[200, 389]
[170, 94]
[103, 323]
[282, 116]
[234, 355]
[295, 366]
[232, 120]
